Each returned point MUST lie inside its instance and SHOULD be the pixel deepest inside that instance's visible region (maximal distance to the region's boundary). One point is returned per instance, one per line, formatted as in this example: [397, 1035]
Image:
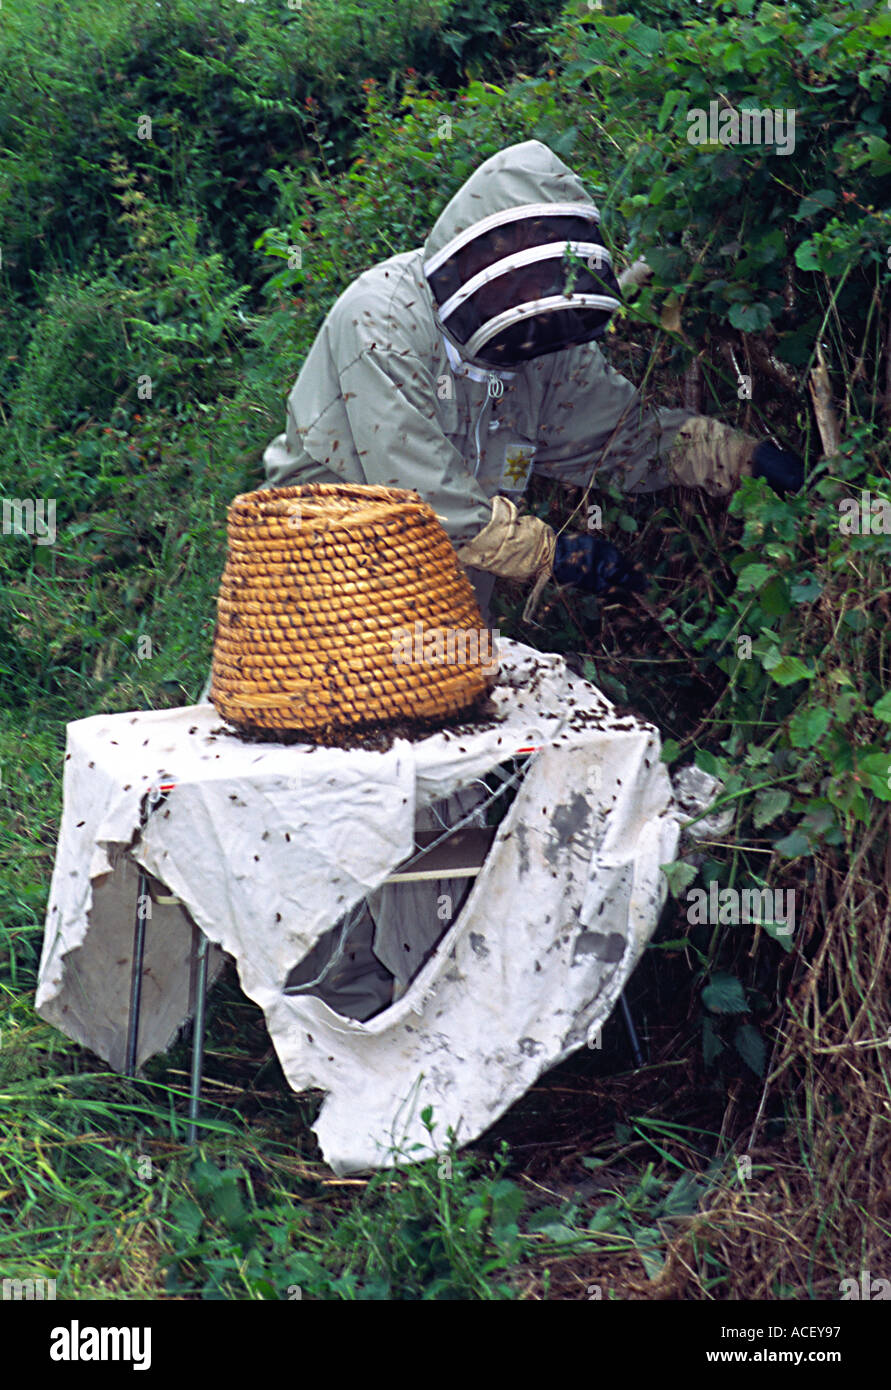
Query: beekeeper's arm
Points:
[592, 417]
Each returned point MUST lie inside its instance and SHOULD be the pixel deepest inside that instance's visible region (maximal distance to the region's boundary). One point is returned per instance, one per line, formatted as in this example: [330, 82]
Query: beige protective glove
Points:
[710, 455]
[509, 545]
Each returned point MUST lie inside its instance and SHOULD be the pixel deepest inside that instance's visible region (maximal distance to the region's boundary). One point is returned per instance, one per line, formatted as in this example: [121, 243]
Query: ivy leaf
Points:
[725, 995]
[750, 1046]
[808, 725]
[769, 804]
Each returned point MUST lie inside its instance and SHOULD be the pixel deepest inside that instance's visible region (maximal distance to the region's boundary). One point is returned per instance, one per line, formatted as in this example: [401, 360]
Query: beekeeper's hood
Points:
[515, 262]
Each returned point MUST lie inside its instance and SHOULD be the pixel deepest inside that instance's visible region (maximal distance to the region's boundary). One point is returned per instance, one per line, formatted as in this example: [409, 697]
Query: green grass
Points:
[612, 1183]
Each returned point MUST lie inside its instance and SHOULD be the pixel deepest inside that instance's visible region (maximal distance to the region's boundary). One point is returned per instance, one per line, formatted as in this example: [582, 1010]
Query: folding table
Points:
[262, 848]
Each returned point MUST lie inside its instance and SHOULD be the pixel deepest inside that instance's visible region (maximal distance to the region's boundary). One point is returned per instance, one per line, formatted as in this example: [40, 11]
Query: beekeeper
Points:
[457, 369]
[460, 367]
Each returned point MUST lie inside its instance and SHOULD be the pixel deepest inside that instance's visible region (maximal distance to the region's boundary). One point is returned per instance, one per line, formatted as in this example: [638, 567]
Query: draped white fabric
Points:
[267, 846]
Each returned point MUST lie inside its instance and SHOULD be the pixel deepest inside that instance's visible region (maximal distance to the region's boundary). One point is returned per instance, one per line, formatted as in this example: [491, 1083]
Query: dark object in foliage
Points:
[593, 565]
[780, 468]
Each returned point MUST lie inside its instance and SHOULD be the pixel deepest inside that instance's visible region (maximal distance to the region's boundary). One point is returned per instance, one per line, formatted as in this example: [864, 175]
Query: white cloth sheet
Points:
[268, 845]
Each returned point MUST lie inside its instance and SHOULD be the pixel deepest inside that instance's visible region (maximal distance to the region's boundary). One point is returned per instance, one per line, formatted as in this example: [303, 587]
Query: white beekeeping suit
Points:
[457, 369]
[460, 367]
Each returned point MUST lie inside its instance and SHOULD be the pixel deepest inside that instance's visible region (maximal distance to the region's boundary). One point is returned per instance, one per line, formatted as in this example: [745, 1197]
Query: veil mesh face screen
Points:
[565, 276]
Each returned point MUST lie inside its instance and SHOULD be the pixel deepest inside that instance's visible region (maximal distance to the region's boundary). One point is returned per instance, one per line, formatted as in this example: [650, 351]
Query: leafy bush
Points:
[207, 99]
[785, 234]
[761, 649]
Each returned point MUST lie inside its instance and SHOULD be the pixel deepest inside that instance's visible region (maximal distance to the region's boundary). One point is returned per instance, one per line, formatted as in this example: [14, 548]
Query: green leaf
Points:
[882, 708]
[508, 1201]
[752, 577]
[725, 995]
[651, 1256]
[750, 1046]
[620, 22]
[786, 670]
[813, 203]
[806, 257]
[875, 770]
[822, 32]
[669, 102]
[779, 931]
[306, 1271]
[187, 1216]
[808, 725]
[749, 318]
[604, 1218]
[670, 750]
[684, 1197]
[679, 876]
[793, 844]
[769, 804]
[551, 1221]
[806, 589]
[707, 762]
[712, 1044]
[774, 597]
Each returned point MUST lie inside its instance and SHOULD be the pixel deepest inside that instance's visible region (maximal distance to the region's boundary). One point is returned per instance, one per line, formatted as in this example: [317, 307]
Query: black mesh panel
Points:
[556, 276]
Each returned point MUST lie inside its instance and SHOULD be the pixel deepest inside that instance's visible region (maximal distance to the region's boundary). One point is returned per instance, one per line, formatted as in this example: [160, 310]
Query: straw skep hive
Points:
[321, 585]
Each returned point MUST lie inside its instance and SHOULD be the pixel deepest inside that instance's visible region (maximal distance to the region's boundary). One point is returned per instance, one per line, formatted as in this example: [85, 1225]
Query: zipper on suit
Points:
[494, 389]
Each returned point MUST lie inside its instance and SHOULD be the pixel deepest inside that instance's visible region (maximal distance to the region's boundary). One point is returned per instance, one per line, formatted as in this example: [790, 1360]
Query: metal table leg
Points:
[200, 955]
[632, 1032]
[136, 974]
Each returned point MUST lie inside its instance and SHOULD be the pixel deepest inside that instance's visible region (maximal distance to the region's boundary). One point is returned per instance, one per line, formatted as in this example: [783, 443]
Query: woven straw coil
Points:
[319, 583]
